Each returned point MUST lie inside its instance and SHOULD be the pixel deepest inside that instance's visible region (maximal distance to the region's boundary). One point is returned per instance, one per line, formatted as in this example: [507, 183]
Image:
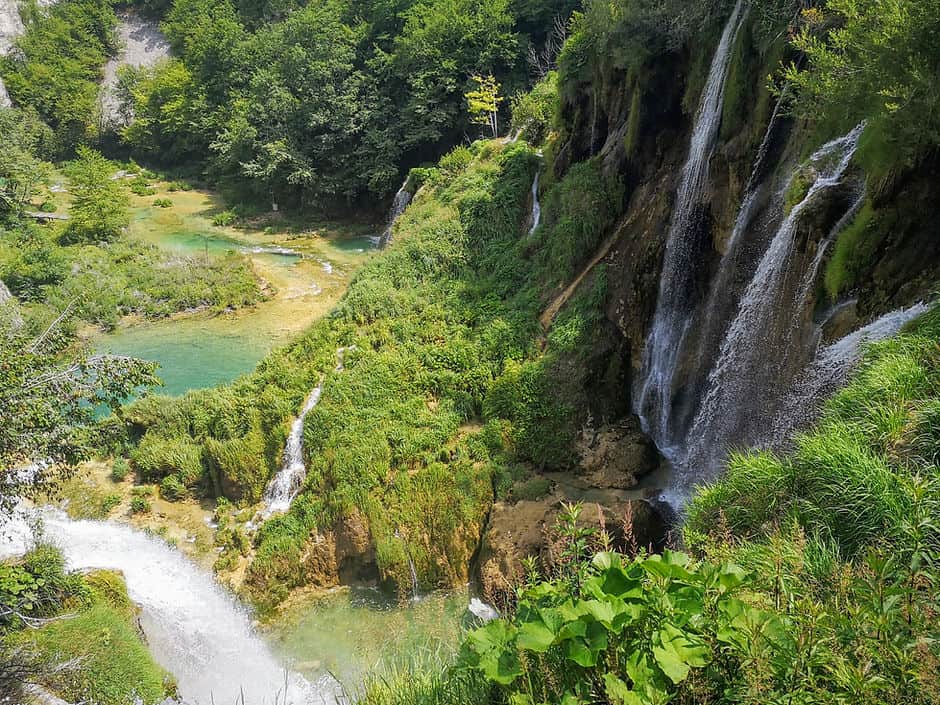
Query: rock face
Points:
[527, 529]
[143, 45]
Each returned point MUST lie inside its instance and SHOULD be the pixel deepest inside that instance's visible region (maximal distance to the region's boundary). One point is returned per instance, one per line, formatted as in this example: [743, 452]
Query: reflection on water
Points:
[352, 632]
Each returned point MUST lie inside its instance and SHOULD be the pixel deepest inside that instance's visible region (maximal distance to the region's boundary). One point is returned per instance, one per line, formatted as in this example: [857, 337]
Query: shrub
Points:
[120, 469]
[140, 186]
[163, 203]
[225, 218]
[456, 161]
[140, 505]
[172, 489]
[110, 502]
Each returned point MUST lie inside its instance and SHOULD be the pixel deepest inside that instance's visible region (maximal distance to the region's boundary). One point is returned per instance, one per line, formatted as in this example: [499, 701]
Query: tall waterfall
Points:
[399, 204]
[675, 303]
[194, 629]
[535, 217]
[762, 342]
[285, 485]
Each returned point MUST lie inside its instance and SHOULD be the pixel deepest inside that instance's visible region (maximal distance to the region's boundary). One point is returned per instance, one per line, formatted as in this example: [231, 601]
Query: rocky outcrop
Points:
[528, 529]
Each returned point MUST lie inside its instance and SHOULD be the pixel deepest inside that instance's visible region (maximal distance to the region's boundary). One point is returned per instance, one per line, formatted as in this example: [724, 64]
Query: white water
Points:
[747, 351]
[286, 484]
[674, 303]
[399, 204]
[831, 367]
[143, 45]
[535, 217]
[194, 629]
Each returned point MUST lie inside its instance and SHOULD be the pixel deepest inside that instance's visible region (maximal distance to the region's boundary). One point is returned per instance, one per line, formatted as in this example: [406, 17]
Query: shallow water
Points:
[309, 272]
[354, 631]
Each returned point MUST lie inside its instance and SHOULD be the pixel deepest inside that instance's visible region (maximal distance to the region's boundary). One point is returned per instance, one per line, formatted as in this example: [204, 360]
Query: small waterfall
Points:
[753, 355]
[401, 202]
[535, 217]
[195, 630]
[415, 592]
[830, 368]
[675, 301]
[285, 485]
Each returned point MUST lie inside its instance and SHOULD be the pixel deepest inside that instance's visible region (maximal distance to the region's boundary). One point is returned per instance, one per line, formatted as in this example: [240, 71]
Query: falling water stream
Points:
[195, 630]
[399, 204]
[670, 321]
[286, 484]
[535, 217]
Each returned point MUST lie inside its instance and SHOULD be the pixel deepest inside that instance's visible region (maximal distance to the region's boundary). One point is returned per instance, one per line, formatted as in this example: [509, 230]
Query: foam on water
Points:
[196, 630]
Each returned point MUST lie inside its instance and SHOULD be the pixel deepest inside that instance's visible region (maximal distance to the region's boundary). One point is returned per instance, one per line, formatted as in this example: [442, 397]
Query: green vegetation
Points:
[49, 617]
[853, 251]
[57, 66]
[873, 61]
[440, 331]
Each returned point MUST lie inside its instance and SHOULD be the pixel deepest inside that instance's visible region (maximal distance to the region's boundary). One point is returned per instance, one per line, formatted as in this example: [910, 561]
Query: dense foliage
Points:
[57, 65]
[325, 101]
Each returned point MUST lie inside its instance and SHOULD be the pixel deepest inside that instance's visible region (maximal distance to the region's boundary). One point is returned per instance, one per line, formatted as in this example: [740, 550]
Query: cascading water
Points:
[535, 217]
[675, 301]
[286, 484]
[831, 366]
[401, 202]
[755, 352]
[194, 629]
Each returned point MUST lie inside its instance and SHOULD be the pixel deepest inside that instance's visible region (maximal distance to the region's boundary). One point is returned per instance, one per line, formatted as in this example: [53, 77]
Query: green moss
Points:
[853, 250]
[634, 121]
[800, 184]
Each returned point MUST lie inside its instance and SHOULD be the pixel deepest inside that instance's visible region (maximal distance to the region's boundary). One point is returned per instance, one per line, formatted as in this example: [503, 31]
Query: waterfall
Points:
[195, 630]
[399, 204]
[285, 485]
[675, 301]
[830, 368]
[753, 355]
[535, 217]
[415, 592]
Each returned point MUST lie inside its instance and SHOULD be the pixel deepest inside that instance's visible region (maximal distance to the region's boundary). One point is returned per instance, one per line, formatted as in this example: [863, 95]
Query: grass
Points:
[854, 479]
[446, 384]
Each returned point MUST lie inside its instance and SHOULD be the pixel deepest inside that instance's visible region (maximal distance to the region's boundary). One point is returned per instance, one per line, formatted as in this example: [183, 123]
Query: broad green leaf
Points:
[620, 693]
[535, 636]
[676, 653]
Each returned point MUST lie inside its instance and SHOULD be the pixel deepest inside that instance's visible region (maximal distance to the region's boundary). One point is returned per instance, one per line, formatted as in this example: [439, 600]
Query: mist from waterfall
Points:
[674, 306]
[196, 630]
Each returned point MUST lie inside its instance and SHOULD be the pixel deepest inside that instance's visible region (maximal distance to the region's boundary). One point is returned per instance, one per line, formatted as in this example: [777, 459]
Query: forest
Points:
[438, 352]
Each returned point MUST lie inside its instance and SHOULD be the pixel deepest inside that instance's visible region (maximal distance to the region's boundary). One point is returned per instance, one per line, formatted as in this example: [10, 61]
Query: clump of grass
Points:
[162, 203]
[853, 250]
[225, 218]
[428, 679]
[120, 469]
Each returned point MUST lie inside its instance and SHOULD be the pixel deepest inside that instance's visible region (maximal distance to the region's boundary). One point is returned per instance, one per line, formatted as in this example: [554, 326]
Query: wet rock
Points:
[615, 456]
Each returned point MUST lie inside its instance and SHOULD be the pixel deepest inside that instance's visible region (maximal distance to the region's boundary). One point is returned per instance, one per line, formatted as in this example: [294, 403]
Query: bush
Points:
[163, 203]
[110, 502]
[225, 218]
[120, 469]
[172, 489]
[140, 186]
[140, 505]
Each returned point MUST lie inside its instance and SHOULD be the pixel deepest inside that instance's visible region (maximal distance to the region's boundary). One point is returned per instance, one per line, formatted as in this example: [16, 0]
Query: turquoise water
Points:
[193, 353]
[357, 631]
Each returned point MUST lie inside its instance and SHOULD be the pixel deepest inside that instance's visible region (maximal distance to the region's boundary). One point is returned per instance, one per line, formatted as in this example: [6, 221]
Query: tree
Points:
[483, 103]
[99, 208]
[20, 171]
[49, 398]
[875, 60]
